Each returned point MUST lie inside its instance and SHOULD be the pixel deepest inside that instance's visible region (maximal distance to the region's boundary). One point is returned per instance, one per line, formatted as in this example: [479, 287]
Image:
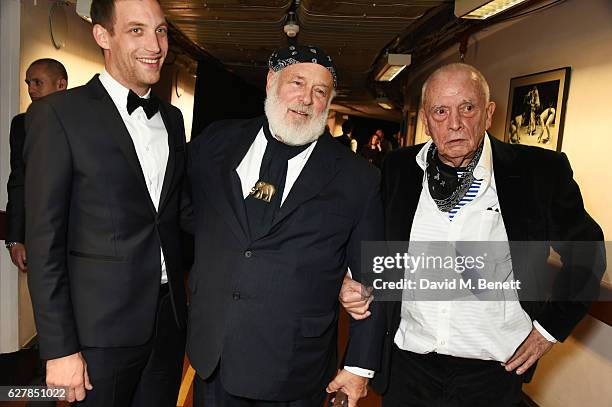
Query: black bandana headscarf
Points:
[296, 54]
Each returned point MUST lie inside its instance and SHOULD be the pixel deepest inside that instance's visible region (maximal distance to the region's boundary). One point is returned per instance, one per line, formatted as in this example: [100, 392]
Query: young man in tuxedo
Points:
[104, 205]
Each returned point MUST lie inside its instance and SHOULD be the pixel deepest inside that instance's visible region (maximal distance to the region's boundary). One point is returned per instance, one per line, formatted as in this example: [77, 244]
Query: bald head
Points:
[45, 76]
[456, 112]
[457, 68]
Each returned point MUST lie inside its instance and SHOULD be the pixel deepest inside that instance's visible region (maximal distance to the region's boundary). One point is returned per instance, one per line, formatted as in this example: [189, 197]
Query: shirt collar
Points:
[116, 90]
[483, 169]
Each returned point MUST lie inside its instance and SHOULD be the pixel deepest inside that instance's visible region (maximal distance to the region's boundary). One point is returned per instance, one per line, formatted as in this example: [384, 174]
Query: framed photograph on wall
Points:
[536, 109]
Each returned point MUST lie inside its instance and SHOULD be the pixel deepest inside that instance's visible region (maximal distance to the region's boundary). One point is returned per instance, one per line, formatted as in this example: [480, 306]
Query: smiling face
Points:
[298, 99]
[456, 114]
[135, 51]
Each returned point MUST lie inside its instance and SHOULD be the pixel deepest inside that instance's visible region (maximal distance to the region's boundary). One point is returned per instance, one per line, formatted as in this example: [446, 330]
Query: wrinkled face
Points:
[41, 83]
[456, 116]
[135, 53]
[297, 103]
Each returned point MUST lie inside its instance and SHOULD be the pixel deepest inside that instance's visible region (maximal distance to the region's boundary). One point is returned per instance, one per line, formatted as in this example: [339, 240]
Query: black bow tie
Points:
[150, 106]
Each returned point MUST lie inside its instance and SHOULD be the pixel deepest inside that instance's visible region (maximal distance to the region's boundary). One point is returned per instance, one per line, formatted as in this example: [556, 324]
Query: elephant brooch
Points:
[264, 191]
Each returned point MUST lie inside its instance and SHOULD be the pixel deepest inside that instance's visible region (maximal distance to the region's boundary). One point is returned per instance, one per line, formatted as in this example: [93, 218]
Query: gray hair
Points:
[474, 73]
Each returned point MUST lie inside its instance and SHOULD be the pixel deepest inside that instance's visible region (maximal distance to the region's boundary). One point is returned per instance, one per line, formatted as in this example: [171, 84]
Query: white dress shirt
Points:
[248, 172]
[486, 330]
[150, 139]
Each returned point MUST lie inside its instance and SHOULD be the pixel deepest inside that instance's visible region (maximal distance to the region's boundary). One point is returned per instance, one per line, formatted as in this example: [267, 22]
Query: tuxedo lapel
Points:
[173, 145]
[319, 170]
[110, 119]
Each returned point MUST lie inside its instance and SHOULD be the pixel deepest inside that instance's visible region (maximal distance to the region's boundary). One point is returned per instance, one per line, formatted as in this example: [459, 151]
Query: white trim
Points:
[10, 37]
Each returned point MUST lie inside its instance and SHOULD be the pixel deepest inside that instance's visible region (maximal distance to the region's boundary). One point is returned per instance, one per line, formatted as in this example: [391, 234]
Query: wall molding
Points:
[10, 40]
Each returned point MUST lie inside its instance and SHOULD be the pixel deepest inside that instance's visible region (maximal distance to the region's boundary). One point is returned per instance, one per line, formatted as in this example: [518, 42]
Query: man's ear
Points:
[62, 84]
[490, 109]
[424, 121]
[269, 80]
[101, 35]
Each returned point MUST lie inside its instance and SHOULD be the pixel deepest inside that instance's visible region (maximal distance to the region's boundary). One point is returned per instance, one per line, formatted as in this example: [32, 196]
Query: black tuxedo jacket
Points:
[540, 202]
[92, 232]
[266, 310]
[15, 207]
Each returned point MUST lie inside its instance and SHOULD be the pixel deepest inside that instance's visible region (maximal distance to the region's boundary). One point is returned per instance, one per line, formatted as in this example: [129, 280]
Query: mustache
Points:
[302, 108]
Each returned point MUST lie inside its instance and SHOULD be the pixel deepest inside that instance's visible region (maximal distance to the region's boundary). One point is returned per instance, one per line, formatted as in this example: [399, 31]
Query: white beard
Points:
[288, 132]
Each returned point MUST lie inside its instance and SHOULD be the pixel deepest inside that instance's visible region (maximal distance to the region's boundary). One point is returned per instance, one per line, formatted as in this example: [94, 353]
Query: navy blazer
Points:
[266, 310]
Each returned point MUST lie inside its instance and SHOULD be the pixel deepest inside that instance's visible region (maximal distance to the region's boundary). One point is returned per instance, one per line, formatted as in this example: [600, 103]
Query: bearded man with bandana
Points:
[281, 210]
[465, 185]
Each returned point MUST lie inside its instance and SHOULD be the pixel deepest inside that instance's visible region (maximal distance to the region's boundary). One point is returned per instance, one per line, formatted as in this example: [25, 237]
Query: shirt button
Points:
[248, 254]
[442, 342]
[236, 295]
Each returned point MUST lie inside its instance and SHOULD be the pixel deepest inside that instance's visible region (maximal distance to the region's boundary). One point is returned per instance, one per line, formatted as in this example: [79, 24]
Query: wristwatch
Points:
[10, 244]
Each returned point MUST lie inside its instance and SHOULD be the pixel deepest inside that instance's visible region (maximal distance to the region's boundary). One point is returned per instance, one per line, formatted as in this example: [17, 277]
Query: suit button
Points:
[236, 295]
[248, 254]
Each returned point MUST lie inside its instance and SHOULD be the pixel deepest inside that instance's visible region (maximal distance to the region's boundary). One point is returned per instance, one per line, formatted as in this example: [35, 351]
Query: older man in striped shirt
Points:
[464, 185]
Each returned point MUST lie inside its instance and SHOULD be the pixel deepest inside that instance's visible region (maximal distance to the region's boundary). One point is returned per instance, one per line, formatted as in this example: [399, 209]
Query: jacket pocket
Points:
[92, 256]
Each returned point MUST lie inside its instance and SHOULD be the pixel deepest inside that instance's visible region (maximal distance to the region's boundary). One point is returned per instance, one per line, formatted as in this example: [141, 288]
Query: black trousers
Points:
[139, 376]
[435, 380]
[211, 393]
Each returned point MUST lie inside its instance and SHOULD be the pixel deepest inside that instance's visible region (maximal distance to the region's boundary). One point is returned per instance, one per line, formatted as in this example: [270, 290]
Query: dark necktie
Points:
[150, 106]
[260, 206]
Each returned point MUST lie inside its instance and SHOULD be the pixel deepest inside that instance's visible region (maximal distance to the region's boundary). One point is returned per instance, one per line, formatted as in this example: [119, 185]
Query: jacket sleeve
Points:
[15, 206]
[578, 239]
[48, 183]
[366, 336]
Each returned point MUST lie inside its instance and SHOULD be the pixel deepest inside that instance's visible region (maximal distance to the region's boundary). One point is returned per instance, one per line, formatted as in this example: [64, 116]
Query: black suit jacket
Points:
[92, 232]
[267, 309]
[15, 207]
[540, 203]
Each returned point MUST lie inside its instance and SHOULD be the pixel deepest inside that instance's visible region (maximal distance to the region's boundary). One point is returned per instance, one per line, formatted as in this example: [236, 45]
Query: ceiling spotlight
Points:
[393, 65]
[483, 9]
[291, 27]
[385, 103]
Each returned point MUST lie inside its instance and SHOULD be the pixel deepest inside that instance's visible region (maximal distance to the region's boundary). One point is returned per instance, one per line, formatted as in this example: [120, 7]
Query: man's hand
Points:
[355, 298]
[71, 372]
[532, 349]
[355, 387]
[18, 256]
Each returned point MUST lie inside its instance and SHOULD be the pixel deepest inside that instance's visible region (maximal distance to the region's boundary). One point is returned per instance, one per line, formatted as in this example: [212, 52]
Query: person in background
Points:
[373, 151]
[43, 77]
[346, 137]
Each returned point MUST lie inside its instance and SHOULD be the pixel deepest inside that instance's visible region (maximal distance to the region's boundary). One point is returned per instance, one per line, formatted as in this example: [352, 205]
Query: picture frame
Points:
[536, 108]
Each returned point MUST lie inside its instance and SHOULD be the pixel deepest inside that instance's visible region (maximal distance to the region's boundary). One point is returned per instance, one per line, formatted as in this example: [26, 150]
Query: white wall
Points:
[576, 33]
[9, 102]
